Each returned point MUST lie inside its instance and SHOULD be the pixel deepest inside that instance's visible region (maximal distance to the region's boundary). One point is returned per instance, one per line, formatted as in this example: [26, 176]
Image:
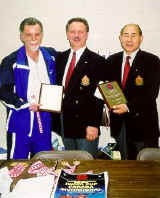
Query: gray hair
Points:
[138, 27]
[30, 21]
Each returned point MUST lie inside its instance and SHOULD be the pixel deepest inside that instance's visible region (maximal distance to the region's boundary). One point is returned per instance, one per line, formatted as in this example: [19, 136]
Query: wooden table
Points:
[127, 179]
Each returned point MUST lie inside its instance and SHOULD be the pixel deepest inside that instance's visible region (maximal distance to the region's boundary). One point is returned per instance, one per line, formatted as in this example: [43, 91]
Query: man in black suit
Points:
[137, 121]
[82, 111]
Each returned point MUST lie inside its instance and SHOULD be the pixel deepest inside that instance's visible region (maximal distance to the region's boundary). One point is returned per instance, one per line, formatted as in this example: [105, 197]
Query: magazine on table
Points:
[82, 185]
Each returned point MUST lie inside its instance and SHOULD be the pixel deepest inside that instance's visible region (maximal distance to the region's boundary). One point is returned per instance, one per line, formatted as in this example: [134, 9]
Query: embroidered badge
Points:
[109, 86]
[139, 81]
[85, 81]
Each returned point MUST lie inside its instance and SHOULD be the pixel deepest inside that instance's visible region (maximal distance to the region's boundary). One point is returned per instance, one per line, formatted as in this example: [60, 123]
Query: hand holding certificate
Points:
[112, 94]
[50, 98]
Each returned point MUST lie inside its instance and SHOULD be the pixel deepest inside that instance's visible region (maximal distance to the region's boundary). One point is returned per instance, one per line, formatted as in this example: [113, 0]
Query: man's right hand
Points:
[120, 109]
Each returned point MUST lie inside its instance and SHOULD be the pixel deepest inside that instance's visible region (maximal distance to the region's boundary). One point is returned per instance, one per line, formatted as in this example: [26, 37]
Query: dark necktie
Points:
[126, 71]
[70, 69]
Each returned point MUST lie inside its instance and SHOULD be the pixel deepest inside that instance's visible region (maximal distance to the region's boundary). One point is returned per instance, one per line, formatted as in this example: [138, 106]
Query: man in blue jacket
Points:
[21, 75]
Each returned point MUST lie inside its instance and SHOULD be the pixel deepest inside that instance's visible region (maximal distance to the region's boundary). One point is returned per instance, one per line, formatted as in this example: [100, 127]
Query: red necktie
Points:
[126, 71]
[70, 69]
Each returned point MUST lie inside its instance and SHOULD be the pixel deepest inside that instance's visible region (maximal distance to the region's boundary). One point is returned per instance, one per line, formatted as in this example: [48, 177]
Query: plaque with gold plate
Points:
[112, 93]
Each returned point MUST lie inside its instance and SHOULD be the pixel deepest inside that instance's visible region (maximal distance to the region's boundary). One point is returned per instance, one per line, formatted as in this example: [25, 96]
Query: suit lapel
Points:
[64, 60]
[81, 64]
[61, 61]
[118, 65]
[137, 69]
[138, 61]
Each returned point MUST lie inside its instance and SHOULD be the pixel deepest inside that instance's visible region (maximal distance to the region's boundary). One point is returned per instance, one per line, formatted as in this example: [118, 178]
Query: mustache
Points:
[76, 38]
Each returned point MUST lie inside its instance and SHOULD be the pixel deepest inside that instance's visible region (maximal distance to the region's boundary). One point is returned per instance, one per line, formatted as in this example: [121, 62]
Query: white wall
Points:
[105, 18]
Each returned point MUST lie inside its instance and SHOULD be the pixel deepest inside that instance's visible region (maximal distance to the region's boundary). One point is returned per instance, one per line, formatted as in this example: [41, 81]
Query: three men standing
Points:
[79, 70]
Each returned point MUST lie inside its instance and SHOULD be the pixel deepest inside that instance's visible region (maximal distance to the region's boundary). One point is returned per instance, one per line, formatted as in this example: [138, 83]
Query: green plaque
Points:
[112, 94]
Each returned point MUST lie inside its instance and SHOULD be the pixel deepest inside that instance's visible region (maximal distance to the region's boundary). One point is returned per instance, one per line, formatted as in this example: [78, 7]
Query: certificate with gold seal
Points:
[50, 98]
[112, 93]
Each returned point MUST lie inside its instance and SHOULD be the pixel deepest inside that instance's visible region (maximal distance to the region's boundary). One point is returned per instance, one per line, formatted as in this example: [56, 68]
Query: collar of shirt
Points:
[132, 56]
[78, 55]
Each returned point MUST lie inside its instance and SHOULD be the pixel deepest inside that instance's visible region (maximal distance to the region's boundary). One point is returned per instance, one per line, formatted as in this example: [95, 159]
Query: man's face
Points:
[32, 37]
[130, 38]
[77, 35]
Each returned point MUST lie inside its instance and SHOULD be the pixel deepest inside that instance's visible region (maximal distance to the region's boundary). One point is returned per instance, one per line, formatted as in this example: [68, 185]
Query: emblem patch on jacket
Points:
[139, 80]
[85, 81]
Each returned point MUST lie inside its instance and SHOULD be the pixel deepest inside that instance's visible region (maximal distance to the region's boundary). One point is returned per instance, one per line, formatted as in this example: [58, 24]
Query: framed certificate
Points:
[112, 94]
[50, 98]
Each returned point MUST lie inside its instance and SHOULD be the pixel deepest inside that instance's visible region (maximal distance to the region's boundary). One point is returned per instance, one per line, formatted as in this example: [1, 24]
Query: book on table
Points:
[82, 185]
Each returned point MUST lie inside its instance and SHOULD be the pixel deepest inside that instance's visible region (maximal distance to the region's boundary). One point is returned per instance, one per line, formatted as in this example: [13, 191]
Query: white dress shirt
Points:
[78, 55]
[37, 75]
[132, 56]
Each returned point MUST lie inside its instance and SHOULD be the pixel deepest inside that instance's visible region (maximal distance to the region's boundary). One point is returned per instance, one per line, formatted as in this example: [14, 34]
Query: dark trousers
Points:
[79, 143]
[9, 144]
[121, 143]
[129, 148]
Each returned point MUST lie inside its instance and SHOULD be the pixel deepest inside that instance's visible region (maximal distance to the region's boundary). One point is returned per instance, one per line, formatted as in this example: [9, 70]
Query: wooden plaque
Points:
[112, 94]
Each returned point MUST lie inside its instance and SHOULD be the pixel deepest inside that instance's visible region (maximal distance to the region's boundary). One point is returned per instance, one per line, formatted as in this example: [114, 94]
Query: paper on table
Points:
[39, 187]
[5, 180]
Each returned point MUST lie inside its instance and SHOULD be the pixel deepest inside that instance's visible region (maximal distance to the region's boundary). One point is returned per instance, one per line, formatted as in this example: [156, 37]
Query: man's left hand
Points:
[91, 133]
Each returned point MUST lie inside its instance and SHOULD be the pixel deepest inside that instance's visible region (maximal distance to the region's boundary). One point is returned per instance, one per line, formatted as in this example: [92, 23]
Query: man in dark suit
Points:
[137, 121]
[82, 111]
